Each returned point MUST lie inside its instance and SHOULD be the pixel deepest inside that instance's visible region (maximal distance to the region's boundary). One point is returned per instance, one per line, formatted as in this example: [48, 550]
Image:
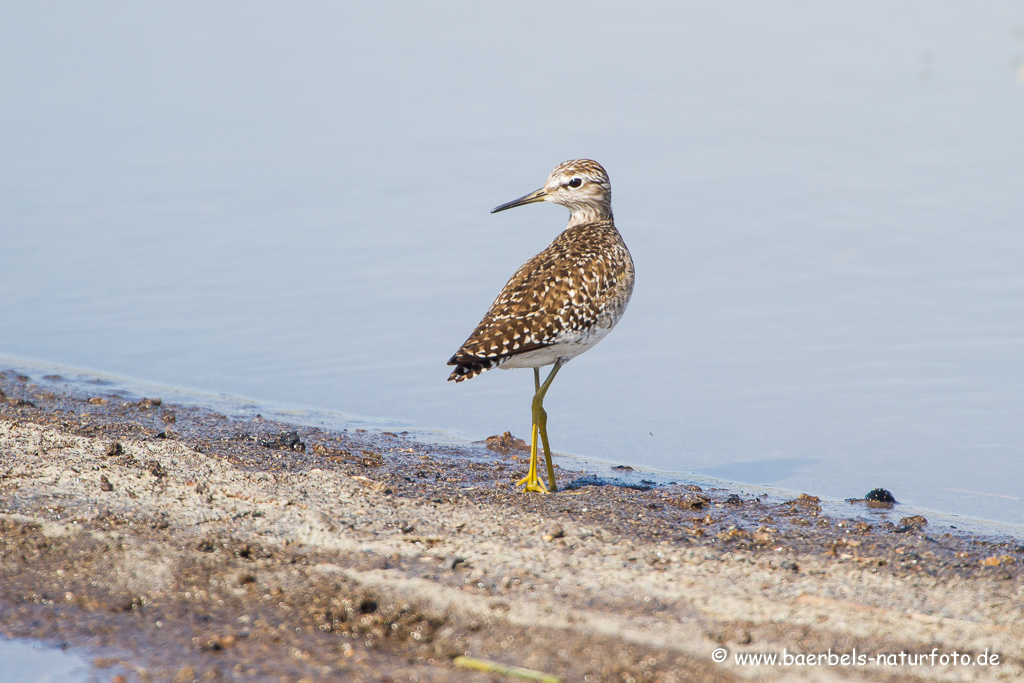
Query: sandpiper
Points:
[559, 303]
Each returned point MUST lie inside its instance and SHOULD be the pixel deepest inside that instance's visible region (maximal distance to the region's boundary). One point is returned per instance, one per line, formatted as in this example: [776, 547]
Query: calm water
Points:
[23, 662]
[825, 203]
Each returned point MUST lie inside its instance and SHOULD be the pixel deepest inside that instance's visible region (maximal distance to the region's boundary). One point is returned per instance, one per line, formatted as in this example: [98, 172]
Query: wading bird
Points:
[559, 303]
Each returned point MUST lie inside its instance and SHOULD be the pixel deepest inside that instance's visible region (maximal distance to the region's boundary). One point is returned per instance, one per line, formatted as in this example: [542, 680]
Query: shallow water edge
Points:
[76, 381]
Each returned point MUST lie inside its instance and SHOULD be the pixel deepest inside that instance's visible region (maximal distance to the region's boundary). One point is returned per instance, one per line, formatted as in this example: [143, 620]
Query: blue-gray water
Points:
[824, 201]
[24, 662]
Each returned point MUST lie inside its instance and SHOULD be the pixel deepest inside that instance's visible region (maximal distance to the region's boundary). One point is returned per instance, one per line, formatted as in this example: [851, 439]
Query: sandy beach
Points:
[177, 544]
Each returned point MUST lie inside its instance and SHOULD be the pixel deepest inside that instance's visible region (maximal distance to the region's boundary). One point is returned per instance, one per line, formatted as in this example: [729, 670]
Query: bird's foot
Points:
[533, 484]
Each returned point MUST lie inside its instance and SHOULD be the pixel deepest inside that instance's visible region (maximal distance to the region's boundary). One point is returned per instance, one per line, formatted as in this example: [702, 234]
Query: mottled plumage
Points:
[559, 303]
[566, 298]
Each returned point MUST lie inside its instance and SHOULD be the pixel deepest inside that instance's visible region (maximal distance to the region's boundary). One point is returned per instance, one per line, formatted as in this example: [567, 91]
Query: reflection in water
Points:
[292, 204]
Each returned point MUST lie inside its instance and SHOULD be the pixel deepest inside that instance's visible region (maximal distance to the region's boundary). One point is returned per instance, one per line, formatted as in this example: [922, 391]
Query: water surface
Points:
[290, 203]
[24, 662]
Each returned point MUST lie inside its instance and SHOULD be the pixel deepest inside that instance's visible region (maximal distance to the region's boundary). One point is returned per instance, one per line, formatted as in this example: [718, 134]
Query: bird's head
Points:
[580, 185]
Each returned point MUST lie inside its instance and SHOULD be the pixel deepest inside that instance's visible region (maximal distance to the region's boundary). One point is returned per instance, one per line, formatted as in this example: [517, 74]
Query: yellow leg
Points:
[540, 426]
[532, 481]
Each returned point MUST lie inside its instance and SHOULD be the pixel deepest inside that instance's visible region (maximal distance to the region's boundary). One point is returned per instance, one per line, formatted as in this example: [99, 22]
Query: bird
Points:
[559, 303]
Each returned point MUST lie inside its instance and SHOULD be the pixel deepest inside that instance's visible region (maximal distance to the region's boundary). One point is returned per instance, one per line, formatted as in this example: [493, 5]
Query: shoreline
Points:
[63, 379]
[195, 544]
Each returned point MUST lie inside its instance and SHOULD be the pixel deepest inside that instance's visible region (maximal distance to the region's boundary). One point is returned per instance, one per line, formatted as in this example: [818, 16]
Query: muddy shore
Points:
[178, 544]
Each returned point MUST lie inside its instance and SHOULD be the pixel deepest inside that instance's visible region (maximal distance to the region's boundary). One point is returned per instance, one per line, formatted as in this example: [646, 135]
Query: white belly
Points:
[570, 348]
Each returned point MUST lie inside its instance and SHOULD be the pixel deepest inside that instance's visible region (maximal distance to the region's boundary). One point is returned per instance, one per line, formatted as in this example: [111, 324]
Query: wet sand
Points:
[178, 544]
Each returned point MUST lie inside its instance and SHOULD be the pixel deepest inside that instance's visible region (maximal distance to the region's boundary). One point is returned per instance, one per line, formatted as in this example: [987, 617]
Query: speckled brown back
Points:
[581, 282]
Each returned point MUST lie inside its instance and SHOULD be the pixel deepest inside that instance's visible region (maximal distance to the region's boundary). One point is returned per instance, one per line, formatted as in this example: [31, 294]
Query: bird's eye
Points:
[575, 182]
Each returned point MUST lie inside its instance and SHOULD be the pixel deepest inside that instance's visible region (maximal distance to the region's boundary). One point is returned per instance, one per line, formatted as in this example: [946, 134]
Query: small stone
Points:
[289, 440]
[506, 443]
[115, 449]
[371, 459]
[147, 403]
[880, 496]
[97, 401]
[915, 521]
[105, 484]
[691, 501]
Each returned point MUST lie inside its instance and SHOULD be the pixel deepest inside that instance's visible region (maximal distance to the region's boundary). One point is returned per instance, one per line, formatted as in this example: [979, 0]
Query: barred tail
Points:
[468, 367]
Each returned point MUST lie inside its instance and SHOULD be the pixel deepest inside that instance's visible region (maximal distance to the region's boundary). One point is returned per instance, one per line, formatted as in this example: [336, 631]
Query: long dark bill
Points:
[531, 198]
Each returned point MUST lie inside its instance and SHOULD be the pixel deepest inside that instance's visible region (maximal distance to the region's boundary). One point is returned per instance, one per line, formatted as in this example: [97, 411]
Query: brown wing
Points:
[557, 293]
